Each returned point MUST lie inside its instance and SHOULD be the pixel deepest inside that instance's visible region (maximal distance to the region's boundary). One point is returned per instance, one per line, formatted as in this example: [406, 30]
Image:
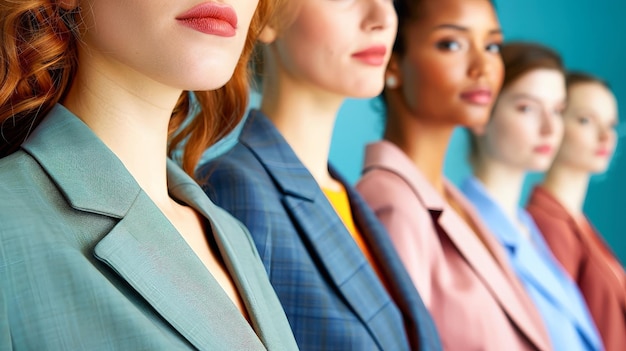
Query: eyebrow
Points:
[518, 96]
[462, 28]
[593, 115]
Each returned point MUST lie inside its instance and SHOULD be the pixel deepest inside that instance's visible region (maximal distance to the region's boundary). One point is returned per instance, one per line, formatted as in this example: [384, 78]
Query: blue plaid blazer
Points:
[331, 294]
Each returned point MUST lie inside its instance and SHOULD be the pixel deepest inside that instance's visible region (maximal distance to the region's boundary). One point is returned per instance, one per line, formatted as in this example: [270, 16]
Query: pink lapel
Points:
[494, 272]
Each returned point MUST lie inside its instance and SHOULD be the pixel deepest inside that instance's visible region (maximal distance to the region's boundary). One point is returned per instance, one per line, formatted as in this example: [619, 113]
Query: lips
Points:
[603, 152]
[479, 96]
[211, 18]
[543, 149]
[373, 55]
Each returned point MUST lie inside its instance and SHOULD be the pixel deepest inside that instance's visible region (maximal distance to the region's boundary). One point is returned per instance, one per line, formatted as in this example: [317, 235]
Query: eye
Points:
[449, 45]
[494, 48]
[524, 108]
[583, 120]
[559, 112]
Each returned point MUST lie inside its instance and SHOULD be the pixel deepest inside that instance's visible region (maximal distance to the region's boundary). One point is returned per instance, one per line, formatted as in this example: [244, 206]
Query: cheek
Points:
[245, 12]
[613, 140]
[497, 73]
[516, 133]
[576, 145]
[310, 48]
[431, 83]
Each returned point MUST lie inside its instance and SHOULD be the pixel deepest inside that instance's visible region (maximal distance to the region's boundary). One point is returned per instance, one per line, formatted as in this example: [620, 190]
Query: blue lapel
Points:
[323, 231]
[531, 258]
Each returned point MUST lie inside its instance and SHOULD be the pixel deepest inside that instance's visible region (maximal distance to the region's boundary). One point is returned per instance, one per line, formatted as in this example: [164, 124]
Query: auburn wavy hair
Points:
[38, 59]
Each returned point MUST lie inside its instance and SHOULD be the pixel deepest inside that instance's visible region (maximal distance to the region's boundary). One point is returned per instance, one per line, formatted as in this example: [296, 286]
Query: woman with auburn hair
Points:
[445, 72]
[105, 243]
[331, 263]
[589, 140]
[522, 135]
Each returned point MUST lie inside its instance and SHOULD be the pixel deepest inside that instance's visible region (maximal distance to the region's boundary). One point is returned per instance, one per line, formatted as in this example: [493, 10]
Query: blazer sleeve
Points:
[409, 225]
[238, 191]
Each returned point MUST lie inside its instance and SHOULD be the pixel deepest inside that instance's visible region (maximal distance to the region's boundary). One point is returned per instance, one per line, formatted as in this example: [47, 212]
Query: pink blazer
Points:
[588, 260]
[475, 299]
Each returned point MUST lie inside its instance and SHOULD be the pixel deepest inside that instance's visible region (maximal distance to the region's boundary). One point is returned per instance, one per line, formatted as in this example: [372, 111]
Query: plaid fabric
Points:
[331, 294]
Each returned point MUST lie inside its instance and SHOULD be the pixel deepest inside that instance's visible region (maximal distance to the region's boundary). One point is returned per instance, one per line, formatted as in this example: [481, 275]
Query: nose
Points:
[380, 15]
[482, 63]
[604, 133]
[550, 122]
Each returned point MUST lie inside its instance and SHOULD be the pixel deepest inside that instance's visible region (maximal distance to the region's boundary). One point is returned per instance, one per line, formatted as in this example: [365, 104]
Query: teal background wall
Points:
[588, 35]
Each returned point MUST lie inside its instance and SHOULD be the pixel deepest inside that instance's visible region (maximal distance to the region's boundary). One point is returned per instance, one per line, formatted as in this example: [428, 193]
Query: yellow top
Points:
[341, 204]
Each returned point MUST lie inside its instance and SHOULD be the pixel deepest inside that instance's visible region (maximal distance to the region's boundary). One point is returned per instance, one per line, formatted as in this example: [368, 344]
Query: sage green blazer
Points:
[88, 262]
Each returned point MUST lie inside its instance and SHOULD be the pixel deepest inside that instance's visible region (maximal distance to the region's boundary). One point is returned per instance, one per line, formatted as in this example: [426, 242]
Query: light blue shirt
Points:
[555, 295]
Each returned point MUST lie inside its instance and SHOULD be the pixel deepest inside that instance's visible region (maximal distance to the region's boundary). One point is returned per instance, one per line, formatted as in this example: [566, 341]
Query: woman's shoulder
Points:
[236, 175]
[383, 187]
[19, 175]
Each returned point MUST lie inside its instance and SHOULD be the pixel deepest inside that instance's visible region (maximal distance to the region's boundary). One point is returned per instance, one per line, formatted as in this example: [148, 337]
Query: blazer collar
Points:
[420, 326]
[532, 258]
[89, 173]
[329, 239]
[550, 204]
[498, 221]
[144, 248]
[265, 141]
[541, 198]
[493, 270]
[385, 155]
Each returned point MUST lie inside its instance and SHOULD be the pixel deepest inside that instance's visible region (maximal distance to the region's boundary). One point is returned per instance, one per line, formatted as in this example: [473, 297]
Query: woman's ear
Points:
[268, 35]
[68, 4]
[393, 76]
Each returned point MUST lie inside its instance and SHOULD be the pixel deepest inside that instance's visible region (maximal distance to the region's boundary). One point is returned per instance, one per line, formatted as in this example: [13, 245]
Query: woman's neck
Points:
[306, 119]
[503, 183]
[425, 144]
[568, 186]
[131, 117]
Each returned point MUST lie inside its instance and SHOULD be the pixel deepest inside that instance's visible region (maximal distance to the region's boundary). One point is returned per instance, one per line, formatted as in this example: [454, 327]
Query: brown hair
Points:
[409, 11]
[577, 77]
[280, 20]
[38, 59]
[520, 58]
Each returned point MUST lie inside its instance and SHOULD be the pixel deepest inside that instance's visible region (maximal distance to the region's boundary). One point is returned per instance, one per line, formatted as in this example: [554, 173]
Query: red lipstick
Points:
[478, 96]
[543, 149]
[373, 56]
[211, 18]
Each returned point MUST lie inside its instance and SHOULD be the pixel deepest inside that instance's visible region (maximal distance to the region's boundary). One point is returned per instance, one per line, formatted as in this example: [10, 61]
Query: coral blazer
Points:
[589, 261]
[475, 298]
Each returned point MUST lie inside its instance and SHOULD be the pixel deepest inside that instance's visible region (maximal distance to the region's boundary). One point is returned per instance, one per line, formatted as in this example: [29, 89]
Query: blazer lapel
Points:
[542, 198]
[321, 227]
[524, 252]
[421, 328]
[239, 255]
[147, 252]
[143, 248]
[493, 270]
